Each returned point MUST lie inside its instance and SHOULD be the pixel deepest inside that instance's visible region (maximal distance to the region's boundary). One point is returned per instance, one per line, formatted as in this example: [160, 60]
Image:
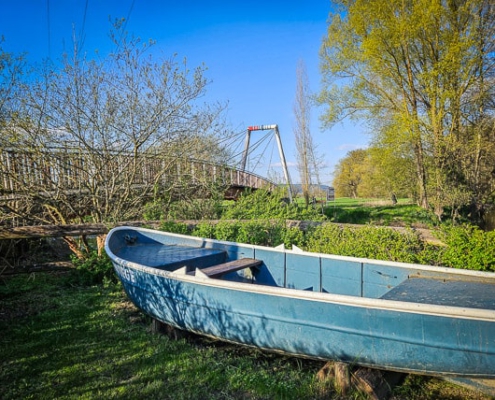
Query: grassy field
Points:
[64, 341]
[379, 212]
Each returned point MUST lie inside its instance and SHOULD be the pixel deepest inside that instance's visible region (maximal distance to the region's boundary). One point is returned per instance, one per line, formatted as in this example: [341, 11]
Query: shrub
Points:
[405, 214]
[262, 204]
[260, 232]
[369, 241]
[174, 227]
[468, 247]
[155, 210]
[195, 209]
[226, 230]
[294, 236]
[353, 215]
[204, 230]
[94, 269]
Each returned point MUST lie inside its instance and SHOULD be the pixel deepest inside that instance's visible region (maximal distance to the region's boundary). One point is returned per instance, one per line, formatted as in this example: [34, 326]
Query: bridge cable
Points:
[253, 147]
[258, 144]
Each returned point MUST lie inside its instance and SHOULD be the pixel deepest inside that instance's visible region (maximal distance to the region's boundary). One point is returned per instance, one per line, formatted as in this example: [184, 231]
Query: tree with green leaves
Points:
[374, 172]
[349, 173]
[419, 73]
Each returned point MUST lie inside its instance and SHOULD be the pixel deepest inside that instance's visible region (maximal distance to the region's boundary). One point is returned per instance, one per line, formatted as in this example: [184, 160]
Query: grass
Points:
[65, 342]
[61, 341]
[357, 211]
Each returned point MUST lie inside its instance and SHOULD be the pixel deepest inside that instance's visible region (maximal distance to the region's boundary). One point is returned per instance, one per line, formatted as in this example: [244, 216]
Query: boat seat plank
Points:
[218, 270]
[457, 293]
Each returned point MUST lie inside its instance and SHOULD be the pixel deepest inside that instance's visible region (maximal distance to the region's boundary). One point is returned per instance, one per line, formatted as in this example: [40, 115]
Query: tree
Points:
[419, 70]
[12, 68]
[119, 124]
[306, 159]
[349, 173]
[390, 172]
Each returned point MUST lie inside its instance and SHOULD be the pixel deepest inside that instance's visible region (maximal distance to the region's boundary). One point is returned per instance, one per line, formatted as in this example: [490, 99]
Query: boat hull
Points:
[376, 333]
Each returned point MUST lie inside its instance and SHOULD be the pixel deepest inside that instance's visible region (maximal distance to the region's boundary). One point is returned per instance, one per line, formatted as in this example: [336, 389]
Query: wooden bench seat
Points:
[216, 271]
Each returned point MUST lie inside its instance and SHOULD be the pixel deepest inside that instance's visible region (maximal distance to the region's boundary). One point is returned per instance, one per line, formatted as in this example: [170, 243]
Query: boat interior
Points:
[305, 271]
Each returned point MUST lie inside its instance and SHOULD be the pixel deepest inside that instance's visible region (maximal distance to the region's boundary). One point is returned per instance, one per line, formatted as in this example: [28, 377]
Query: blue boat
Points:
[378, 314]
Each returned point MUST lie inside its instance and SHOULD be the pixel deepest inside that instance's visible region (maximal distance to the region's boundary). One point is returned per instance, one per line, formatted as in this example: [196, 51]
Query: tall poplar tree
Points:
[306, 158]
[418, 72]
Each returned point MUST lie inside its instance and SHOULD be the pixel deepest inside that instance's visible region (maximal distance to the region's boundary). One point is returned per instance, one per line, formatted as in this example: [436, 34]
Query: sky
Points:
[251, 49]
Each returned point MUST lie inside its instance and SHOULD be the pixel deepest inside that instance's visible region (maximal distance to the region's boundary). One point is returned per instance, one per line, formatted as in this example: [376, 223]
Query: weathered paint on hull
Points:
[379, 314]
[369, 336]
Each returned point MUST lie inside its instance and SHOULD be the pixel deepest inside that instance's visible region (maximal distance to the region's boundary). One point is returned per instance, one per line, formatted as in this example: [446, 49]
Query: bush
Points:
[195, 209]
[183, 209]
[465, 247]
[155, 210]
[260, 232]
[294, 236]
[468, 247]
[404, 214]
[94, 269]
[226, 230]
[174, 227]
[204, 230]
[368, 242]
[262, 204]
[353, 215]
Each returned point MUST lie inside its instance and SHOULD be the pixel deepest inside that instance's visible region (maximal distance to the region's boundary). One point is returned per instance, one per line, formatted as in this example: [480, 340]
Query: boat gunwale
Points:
[478, 314]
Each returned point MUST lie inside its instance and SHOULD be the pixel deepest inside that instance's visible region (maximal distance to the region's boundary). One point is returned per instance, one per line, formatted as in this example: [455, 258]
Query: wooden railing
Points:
[72, 169]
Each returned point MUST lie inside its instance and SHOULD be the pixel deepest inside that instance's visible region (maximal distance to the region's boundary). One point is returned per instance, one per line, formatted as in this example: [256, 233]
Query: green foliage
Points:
[379, 64]
[94, 269]
[174, 227]
[294, 236]
[226, 230]
[369, 241]
[204, 230]
[261, 232]
[468, 247]
[195, 209]
[400, 214]
[155, 210]
[354, 215]
[261, 204]
[350, 172]
[183, 209]
[64, 342]
[464, 246]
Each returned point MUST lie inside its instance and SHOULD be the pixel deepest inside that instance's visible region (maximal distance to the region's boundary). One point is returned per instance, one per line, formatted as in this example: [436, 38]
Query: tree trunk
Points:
[100, 244]
[421, 175]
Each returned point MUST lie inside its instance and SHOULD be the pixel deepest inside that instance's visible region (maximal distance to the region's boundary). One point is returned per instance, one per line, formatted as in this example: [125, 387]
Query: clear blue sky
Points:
[251, 50]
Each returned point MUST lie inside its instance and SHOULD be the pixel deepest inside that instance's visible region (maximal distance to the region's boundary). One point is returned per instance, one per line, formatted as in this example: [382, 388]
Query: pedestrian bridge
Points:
[77, 171]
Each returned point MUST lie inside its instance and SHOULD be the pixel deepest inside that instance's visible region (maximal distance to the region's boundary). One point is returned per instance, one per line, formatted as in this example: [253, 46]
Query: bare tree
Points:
[11, 69]
[306, 158]
[97, 139]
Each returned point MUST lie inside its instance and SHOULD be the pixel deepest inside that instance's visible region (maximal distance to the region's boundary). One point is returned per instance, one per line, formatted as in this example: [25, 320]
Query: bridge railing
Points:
[73, 169]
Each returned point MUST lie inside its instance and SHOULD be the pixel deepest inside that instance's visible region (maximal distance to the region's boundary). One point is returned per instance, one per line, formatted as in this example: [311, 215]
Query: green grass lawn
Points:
[64, 342]
[61, 341]
[379, 212]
